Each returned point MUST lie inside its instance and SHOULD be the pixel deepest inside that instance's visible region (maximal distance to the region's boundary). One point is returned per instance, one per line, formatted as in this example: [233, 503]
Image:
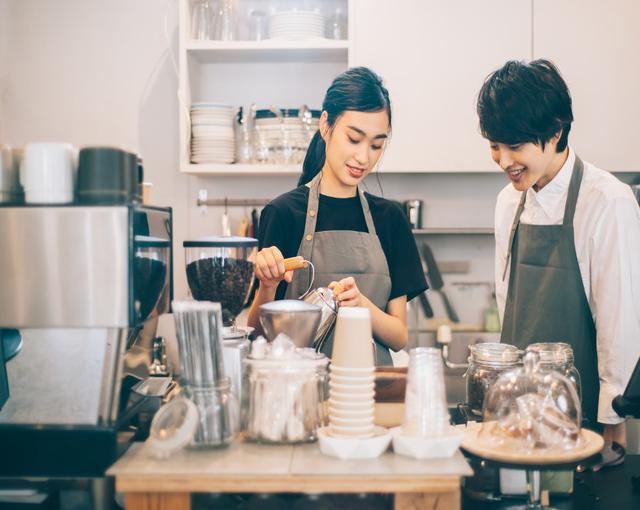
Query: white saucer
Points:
[354, 447]
[420, 447]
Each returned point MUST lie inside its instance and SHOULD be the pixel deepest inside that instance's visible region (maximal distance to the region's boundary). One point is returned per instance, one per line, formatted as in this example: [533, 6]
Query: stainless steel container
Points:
[413, 210]
[324, 298]
[296, 319]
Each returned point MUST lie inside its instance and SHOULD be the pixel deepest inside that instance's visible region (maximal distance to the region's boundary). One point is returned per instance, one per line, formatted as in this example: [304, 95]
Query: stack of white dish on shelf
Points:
[351, 432]
[296, 25]
[212, 133]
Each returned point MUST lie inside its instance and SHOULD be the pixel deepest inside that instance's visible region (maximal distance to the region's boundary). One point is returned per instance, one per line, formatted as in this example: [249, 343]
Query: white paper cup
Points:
[351, 372]
[352, 431]
[47, 172]
[353, 405]
[352, 339]
[351, 414]
[355, 387]
[339, 396]
[351, 422]
[341, 379]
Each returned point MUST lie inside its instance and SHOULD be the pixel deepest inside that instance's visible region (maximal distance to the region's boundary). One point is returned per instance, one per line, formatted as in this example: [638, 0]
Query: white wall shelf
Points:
[320, 50]
[222, 169]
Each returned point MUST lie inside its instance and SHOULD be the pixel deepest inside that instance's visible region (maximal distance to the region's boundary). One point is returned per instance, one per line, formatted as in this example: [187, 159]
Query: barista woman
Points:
[359, 240]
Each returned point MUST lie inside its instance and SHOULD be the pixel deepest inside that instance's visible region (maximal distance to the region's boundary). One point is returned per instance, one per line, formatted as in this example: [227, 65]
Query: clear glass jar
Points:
[287, 398]
[217, 411]
[219, 269]
[557, 356]
[488, 360]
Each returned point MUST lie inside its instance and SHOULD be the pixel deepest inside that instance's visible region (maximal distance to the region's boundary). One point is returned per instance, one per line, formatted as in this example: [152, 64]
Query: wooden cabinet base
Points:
[421, 501]
[157, 501]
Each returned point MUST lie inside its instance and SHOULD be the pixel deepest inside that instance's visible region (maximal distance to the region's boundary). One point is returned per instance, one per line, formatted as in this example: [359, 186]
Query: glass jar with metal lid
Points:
[557, 356]
[487, 361]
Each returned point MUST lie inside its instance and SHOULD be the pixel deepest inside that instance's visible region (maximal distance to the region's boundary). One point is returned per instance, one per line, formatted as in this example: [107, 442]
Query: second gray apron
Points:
[546, 299]
[337, 254]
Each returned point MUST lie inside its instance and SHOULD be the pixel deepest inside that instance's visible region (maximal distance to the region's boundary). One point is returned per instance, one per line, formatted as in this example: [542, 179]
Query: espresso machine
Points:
[80, 285]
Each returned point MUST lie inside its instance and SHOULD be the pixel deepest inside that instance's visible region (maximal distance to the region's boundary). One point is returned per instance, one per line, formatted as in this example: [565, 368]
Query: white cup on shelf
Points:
[47, 172]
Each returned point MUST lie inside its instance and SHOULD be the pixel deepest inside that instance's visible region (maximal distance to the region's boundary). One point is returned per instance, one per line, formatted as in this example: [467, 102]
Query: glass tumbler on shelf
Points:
[227, 21]
[258, 23]
[336, 27]
[203, 20]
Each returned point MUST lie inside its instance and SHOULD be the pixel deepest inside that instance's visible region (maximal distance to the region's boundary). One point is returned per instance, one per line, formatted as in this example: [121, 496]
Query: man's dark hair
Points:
[522, 103]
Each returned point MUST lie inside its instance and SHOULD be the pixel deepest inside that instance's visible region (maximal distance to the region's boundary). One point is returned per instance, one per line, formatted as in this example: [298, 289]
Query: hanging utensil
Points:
[437, 284]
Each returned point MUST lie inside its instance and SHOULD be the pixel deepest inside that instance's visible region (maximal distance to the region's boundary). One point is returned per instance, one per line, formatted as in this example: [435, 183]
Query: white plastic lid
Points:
[173, 427]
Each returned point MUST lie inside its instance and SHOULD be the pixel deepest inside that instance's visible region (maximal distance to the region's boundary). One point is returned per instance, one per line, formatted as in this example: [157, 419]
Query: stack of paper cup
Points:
[351, 385]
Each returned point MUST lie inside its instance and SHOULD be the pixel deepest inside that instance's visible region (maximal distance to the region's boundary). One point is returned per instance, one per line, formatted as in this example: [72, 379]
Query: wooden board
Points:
[592, 444]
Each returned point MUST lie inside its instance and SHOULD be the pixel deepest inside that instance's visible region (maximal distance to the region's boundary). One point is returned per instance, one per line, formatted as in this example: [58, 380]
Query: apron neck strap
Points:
[572, 194]
[569, 209]
[314, 200]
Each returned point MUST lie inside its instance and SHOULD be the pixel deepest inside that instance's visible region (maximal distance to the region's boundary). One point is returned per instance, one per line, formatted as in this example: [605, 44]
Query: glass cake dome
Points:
[532, 409]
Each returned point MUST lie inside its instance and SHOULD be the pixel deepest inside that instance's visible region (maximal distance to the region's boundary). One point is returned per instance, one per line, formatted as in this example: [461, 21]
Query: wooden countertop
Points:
[250, 467]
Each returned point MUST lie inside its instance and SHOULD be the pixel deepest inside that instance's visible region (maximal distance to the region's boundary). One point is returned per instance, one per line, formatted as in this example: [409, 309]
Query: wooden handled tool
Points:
[294, 263]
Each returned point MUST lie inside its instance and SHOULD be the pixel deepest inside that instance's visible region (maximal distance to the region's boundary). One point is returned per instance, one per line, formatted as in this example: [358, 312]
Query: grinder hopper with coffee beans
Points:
[308, 326]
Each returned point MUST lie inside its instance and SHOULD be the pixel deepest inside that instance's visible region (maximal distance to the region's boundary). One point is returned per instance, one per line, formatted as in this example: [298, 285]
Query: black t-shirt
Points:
[282, 224]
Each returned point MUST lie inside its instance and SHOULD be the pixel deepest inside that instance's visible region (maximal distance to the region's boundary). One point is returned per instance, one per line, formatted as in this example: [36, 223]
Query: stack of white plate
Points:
[212, 133]
[296, 25]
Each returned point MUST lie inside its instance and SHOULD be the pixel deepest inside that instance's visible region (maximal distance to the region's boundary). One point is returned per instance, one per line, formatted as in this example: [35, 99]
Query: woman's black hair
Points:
[357, 89]
[521, 103]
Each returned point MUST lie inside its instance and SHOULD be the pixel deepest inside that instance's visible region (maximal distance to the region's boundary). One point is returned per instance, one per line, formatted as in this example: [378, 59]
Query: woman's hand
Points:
[350, 295]
[270, 268]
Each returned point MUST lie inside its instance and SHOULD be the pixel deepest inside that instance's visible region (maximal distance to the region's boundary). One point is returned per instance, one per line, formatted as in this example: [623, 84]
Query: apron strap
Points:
[308, 237]
[572, 194]
[512, 233]
[569, 209]
[367, 213]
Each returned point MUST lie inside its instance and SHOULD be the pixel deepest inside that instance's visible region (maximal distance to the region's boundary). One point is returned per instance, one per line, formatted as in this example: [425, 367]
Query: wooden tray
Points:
[592, 444]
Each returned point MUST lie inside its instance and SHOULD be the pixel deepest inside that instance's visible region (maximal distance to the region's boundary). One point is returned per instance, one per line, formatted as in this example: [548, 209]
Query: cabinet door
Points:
[595, 45]
[434, 56]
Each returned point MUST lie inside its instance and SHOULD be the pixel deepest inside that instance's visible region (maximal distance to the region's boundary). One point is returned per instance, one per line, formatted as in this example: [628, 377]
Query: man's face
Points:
[526, 164]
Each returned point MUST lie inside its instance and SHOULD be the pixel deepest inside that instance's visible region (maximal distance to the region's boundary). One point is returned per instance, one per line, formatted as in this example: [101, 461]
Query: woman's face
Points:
[354, 144]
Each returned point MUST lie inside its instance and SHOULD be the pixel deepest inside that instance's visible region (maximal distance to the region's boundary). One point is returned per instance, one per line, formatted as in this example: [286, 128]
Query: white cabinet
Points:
[434, 56]
[595, 45]
[283, 73]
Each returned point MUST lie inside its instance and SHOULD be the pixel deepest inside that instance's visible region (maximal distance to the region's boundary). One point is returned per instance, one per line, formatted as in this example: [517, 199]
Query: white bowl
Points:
[420, 447]
[354, 447]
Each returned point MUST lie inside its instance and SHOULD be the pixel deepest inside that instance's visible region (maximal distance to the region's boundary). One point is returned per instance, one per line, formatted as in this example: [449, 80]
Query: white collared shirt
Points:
[607, 240]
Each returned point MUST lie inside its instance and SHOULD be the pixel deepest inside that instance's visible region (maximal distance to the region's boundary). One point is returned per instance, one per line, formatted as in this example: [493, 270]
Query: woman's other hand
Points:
[350, 293]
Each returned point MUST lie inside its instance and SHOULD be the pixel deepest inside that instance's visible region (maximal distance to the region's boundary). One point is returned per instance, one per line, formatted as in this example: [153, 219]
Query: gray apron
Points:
[546, 300]
[337, 254]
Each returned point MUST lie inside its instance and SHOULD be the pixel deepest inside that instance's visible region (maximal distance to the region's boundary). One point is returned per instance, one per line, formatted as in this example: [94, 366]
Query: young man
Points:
[567, 238]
